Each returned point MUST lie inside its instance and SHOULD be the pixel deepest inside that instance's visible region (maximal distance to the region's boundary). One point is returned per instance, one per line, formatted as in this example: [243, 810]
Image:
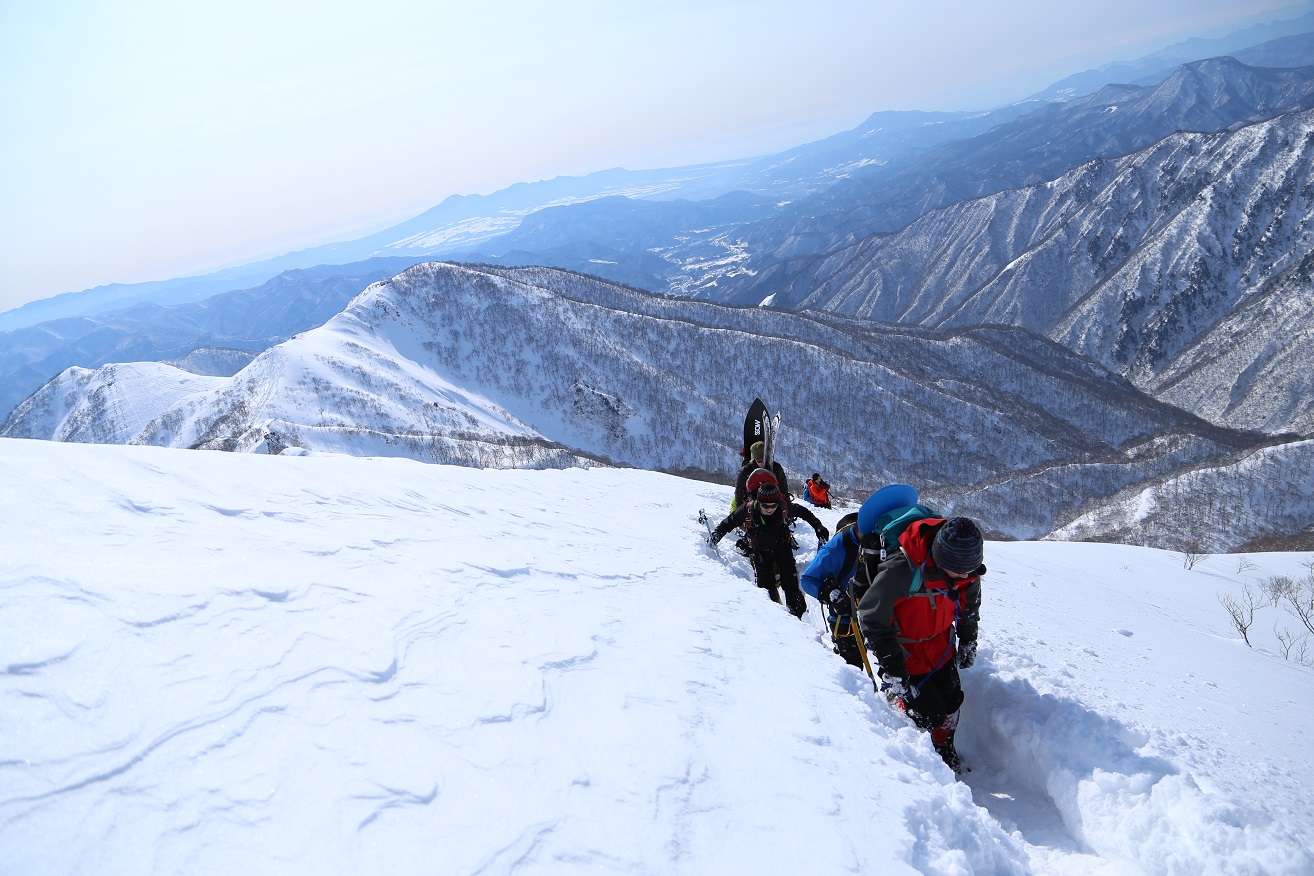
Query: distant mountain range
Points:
[463, 223]
[541, 367]
[244, 320]
[1187, 267]
[1277, 44]
[1096, 309]
[1040, 146]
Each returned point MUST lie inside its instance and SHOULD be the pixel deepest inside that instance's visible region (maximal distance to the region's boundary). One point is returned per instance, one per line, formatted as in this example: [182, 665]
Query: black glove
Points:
[829, 590]
[838, 601]
[966, 655]
[823, 535]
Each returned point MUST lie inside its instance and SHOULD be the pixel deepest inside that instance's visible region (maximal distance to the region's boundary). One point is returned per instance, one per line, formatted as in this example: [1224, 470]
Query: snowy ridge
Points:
[1186, 267]
[1211, 508]
[533, 367]
[243, 320]
[112, 404]
[345, 389]
[376, 666]
[1040, 146]
[214, 361]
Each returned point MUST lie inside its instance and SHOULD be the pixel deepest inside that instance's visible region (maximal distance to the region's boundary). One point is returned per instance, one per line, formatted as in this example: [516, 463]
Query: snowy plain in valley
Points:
[230, 663]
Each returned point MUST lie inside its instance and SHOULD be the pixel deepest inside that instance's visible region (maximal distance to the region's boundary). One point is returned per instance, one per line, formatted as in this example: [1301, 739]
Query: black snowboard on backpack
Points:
[756, 423]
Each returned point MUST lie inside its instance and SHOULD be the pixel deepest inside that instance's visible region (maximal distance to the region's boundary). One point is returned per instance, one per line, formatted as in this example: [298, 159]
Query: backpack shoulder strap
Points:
[850, 550]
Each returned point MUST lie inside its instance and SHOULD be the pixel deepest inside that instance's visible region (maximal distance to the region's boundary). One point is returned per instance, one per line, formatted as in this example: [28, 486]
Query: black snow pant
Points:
[846, 643]
[770, 565]
[939, 696]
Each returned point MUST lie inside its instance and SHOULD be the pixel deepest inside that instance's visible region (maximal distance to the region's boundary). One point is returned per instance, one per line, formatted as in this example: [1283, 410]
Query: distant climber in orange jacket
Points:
[817, 491]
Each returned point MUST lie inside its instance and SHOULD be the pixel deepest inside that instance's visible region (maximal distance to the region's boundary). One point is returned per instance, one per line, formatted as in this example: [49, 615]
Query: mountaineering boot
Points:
[942, 738]
[952, 759]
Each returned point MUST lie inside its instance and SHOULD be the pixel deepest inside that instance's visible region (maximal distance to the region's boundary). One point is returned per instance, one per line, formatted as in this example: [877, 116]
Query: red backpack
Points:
[758, 478]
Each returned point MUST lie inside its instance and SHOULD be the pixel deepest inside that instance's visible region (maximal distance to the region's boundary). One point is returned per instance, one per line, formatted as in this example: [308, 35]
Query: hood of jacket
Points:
[916, 540]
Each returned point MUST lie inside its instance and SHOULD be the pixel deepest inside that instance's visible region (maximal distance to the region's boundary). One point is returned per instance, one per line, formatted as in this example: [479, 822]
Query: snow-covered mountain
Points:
[462, 223]
[704, 231]
[1188, 267]
[533, 367]
[1288, 43]
[1206, 509]
[1205, 96]
[1184, 266]
[229, 664]
[244, 320]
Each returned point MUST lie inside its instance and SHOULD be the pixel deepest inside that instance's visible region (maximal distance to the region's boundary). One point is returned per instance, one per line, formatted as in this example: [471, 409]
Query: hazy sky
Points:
[151, 139]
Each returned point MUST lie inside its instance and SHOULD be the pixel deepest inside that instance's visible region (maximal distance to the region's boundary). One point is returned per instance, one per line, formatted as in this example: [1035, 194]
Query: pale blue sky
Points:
[151, 139]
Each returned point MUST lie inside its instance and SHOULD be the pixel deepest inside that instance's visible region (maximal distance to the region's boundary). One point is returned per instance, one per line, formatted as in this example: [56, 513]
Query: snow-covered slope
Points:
[507, 367]
[228, 663]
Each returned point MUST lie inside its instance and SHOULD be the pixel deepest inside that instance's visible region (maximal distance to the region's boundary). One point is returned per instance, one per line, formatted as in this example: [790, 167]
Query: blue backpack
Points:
[887, 513]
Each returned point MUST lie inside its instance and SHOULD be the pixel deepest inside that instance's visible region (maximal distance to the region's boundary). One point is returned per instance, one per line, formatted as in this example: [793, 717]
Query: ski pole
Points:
[705, 521]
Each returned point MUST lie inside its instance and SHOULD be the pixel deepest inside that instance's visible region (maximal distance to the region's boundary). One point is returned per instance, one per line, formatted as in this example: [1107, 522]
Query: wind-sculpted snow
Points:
[225, 663]
[535, 367]
[351, 666]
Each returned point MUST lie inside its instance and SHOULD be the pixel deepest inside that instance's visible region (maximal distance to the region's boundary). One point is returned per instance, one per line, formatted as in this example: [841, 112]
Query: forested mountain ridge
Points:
[944, 270]
[540, 367]
[1187, 267]
[1204, 96]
